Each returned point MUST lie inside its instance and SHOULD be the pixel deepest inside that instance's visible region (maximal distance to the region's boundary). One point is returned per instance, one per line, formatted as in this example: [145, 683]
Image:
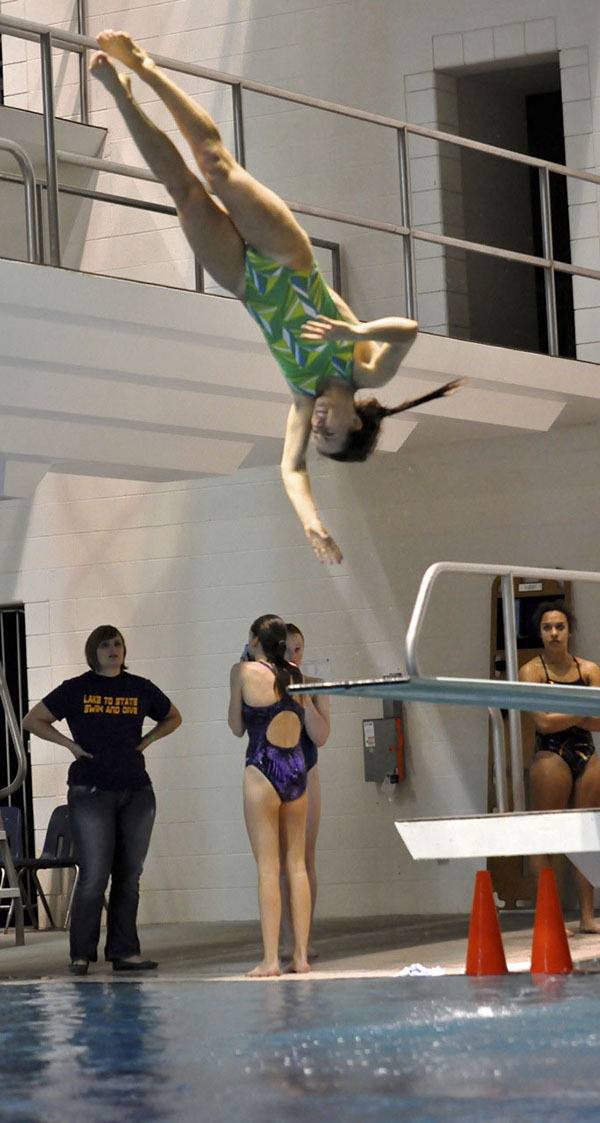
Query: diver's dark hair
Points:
[551, 606]
[95, 638]
[294, 630]
[362, 442]
[271, 633]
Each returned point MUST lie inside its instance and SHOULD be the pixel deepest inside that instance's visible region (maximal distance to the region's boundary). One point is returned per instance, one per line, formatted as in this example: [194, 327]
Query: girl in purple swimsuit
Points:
[274, 782]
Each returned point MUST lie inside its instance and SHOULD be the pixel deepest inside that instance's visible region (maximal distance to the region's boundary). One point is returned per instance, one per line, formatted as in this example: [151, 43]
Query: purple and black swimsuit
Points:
[285, 769]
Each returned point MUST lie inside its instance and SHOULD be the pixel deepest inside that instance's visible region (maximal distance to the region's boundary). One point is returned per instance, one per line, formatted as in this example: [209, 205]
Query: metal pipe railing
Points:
[80, 43]
[498, 757]
[507, 573]
[14, 730]
[158, 208]
[410, 267]
[97, 163]
[512, 667]
[50, 149]
[547, 244]
[239, 145]
[134, 172]
[431, 575]
[69, 41]
[31, 200]
[84, 90]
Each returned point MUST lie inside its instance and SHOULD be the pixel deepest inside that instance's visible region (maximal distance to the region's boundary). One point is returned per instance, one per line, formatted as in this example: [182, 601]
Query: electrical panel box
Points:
[380, 742]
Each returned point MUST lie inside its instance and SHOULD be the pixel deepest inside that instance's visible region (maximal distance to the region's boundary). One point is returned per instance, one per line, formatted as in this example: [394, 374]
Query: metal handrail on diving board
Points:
[506, 573]
[31, 208]
[494, 694]
[16, 737]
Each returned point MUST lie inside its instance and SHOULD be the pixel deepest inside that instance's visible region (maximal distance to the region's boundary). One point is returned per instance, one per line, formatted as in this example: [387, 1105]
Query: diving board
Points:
[574, 833]
[498, 693]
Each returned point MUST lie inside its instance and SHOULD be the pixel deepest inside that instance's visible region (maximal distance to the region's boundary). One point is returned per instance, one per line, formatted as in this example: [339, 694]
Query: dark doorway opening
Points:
[545, 134]
[517, 107]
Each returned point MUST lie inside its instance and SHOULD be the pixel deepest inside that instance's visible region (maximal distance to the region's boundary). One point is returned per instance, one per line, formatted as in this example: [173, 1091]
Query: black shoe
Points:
[79, 968]
[134, 965]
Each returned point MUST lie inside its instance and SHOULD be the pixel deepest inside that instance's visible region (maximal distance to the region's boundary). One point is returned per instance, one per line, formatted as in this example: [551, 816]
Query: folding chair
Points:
[57, 854]
[11, 851]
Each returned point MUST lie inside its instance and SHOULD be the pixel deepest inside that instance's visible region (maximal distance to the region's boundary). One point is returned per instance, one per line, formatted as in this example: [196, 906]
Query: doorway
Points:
[518, 107]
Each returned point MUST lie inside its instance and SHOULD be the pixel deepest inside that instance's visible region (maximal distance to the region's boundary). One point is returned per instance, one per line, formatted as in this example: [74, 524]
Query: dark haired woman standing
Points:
[274, 782]
[565, 765]
[111, 801]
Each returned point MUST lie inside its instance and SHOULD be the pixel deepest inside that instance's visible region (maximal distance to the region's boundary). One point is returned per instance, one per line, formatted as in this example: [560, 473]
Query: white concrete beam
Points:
[91, 443]
[98, 373]
[480, 836]
[19, 478]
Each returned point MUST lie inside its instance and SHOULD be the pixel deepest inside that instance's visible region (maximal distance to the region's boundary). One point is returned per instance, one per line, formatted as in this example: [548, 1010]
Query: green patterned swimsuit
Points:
[281, 301]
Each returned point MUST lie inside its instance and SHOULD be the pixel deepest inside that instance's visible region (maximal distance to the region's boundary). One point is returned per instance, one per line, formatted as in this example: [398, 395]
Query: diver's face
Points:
[294, 651]
[333, 419]
[554, 630]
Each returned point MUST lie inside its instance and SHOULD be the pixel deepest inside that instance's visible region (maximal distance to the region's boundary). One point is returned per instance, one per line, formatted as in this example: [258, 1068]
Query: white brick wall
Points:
[183, 569]
[349, 52]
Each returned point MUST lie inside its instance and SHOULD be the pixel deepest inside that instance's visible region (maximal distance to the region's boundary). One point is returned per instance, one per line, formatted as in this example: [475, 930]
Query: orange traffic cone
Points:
[550, 953]
[485, 953]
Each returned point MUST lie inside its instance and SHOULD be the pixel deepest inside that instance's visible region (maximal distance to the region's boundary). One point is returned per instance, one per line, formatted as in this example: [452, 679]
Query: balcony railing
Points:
[53, 38]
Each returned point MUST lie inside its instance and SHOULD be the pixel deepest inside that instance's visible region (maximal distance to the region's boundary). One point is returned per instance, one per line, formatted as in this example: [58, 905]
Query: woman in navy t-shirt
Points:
[111, 800]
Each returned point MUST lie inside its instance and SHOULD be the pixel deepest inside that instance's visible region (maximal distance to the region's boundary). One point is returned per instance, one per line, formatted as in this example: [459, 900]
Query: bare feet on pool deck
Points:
[119, 45]
[102, 68]
[264, 971]
[298, 966]
[312, 953]
[586, 928]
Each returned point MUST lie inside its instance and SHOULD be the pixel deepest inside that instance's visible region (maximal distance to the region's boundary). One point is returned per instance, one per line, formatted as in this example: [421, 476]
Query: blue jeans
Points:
[111, 833]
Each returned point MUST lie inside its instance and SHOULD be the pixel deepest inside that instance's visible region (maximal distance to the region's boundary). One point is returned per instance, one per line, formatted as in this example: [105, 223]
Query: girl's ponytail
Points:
[362, 442]
[271, 633]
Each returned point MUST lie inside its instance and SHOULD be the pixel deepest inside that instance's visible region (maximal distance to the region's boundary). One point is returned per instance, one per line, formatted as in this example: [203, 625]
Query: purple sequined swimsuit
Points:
[285, 769]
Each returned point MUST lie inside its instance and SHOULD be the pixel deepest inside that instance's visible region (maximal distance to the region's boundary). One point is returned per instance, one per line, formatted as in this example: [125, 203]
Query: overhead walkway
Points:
[111, 377]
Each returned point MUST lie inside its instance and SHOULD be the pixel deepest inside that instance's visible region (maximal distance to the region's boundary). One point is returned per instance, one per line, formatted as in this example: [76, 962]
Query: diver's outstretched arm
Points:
[296, 481]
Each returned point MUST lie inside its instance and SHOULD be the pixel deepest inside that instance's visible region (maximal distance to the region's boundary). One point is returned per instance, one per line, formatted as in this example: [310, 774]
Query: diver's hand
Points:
[326, 549]
[324, 328]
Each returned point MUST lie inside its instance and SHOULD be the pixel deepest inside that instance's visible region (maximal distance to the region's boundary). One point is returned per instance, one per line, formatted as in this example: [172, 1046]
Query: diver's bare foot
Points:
[299, 966]
[102, 68]
[120, 45]
[591, 927]
[311, 954]
[264, 971]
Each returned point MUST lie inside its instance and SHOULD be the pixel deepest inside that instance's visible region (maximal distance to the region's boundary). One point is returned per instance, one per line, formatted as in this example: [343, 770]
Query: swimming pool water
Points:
[364, 1050]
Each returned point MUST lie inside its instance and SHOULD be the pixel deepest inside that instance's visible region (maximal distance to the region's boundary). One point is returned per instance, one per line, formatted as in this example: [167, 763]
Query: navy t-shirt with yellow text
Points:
[105, 715]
